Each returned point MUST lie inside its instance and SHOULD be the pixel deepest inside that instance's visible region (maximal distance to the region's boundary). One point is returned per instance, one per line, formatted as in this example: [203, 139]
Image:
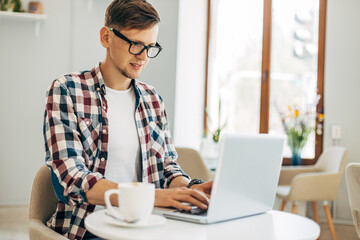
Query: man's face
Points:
[129, 65]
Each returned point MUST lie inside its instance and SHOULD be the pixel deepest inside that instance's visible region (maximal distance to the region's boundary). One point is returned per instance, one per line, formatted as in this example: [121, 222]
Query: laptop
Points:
[245, 181]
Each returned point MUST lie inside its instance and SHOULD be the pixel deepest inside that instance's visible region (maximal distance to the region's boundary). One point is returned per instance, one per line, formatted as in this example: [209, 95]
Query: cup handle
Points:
[109, 207]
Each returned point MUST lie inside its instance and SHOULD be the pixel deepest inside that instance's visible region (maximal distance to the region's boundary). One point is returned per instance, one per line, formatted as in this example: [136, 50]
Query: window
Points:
[262, 52]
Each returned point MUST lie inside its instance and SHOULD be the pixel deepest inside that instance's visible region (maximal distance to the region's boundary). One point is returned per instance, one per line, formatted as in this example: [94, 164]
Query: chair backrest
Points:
[332, 160]
[43, 200]
[353, 186]
[192, 163]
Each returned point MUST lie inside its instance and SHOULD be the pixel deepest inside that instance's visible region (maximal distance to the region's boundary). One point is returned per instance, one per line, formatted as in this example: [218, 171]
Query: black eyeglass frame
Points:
[157, 45]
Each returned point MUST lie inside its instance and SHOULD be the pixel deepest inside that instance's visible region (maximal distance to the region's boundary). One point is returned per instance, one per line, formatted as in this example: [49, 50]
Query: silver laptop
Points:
[245, 181]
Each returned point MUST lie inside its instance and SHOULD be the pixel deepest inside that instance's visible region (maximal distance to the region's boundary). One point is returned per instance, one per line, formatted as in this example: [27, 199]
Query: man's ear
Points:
[105, 37]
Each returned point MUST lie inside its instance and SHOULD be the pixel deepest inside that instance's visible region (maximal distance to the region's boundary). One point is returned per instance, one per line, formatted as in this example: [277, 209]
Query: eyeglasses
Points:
[136, 48]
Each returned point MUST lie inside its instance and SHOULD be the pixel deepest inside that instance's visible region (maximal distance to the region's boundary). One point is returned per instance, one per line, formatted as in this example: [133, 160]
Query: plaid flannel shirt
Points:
[76, 143]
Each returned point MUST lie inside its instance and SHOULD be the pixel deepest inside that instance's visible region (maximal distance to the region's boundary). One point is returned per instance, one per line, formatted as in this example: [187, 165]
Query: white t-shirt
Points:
[123, 162]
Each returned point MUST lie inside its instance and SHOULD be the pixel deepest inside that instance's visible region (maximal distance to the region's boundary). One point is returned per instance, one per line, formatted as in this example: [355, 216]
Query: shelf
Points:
[22, 16]
[29, 17]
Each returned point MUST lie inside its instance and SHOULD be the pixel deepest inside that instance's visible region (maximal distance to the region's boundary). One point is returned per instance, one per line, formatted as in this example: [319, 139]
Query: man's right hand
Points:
[175, 197]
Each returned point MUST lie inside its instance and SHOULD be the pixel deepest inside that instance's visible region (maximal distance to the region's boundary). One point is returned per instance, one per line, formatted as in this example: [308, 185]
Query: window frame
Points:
[265, 73]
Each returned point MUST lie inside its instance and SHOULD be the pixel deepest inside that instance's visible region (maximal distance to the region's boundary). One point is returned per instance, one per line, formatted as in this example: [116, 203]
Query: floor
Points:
[13, 223]
[13, 226]
[343, 232]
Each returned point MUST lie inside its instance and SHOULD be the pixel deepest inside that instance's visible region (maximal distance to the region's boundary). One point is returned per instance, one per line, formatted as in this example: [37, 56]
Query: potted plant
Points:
[11, 5]
[210, 145]
[217, 132]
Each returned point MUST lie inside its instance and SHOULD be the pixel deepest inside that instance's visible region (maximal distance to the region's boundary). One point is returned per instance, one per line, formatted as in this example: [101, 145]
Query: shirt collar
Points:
[99, 81]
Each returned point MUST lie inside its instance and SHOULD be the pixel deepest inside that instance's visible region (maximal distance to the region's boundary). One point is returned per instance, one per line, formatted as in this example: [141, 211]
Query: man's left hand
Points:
[204, 187]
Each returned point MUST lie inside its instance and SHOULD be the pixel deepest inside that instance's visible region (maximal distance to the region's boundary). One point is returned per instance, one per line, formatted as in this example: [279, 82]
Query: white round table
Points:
[273, 225]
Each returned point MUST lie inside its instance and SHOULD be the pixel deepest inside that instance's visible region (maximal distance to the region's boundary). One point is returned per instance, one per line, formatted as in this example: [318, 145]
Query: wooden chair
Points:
[319, 182]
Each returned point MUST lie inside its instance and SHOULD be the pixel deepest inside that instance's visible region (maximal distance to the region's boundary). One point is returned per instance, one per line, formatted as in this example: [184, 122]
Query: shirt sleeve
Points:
[171, 168]
[64, 151]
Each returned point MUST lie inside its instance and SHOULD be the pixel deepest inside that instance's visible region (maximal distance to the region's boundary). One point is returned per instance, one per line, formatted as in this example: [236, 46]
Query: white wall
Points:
[27, 65]
[190, 79]
[161, 71]
[342, 86]
[68, 41]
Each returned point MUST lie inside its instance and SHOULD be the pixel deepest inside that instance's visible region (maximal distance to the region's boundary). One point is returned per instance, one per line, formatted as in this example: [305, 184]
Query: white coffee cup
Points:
[136, 201]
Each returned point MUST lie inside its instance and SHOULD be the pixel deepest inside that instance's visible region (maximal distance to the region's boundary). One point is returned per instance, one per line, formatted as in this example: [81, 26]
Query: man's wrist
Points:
[195, 181]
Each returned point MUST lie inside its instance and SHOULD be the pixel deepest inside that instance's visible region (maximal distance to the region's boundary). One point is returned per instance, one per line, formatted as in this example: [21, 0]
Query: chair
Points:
[192, 163]
[319, 182]
[42, 205]
[353, 186]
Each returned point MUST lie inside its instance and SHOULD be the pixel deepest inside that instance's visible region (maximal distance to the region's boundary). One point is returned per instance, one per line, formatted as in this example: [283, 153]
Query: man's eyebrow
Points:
[151, 44]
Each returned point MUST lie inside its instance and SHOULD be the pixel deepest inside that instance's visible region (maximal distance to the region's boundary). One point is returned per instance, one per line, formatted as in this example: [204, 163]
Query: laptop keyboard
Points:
[193, 211]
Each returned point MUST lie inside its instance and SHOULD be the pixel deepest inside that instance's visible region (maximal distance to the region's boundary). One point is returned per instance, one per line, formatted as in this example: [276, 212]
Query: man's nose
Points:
[143, 55]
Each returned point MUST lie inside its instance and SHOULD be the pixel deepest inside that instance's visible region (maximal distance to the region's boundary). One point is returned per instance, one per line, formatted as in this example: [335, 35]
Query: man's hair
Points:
[131, 14]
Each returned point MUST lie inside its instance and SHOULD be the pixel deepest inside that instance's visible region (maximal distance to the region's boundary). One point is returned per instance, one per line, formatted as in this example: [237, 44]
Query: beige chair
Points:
[42, 205]
[192, 163]
[319, 182]
[353, 186]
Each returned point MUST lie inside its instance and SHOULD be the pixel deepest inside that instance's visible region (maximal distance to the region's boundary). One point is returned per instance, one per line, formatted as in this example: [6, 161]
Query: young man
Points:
[103, 126]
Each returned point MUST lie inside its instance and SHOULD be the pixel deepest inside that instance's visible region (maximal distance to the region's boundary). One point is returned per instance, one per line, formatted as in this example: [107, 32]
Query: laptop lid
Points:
[246, 176]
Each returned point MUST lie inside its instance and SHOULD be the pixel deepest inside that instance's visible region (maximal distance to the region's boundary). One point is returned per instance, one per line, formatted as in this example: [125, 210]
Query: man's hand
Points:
[174, 197]
[204, 187]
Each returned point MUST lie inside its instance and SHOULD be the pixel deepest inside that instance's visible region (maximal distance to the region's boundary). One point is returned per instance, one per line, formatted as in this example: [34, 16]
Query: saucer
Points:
[153, 220]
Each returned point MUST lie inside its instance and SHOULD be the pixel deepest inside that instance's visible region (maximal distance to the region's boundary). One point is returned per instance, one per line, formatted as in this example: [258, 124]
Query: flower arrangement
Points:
[298, 123]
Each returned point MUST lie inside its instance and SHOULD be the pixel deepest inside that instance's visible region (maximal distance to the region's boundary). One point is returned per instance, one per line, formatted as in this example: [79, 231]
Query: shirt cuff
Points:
[89, 181]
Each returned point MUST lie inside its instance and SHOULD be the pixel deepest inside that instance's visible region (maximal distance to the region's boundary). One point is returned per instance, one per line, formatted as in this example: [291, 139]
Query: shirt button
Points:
[102, 159]
[104, 107]
[104, 131]
[87, 122]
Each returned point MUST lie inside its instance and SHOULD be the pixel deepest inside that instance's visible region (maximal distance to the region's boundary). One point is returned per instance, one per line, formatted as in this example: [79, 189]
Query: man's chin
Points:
[130, 75]
[134, 76]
